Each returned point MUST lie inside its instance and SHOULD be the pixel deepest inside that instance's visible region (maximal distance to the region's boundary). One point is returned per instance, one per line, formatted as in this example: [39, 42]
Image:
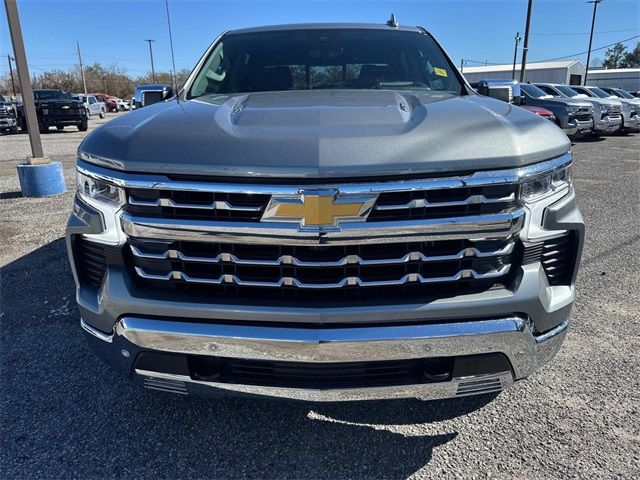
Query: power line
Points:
[586, 33]
[593, 50]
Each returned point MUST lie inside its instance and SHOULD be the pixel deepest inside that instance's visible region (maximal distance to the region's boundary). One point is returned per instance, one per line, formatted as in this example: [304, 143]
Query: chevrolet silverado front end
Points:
[326, 212]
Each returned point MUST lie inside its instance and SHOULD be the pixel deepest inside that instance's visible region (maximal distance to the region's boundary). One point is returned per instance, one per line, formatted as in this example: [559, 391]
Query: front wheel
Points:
[101, 113]
[83, 126]
[60, 127]
[43, 128]
[13, 130]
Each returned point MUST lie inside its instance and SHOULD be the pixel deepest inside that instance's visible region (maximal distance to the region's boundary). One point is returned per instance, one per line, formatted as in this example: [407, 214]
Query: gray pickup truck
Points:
[326, 212]
[574, 116]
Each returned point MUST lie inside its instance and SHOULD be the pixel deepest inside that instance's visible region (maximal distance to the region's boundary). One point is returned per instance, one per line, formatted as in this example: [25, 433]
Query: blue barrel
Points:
[41, 180]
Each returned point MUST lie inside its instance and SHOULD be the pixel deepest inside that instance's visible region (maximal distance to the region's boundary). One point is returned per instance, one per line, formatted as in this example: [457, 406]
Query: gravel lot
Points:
[66, 415]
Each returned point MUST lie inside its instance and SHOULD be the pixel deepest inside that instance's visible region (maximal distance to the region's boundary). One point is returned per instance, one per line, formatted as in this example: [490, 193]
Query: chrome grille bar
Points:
[347, 260]
[348, 281]
[216, 205]
[502, 225]
[424, 203]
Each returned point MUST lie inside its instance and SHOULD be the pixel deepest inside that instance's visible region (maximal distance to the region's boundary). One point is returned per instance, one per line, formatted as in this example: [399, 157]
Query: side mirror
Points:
[499, 92]
[510, 93]
[167, 93]
[517, 97]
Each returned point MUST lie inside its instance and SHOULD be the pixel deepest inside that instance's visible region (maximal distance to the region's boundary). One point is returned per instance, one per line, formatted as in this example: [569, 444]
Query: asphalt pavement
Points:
[64, 414]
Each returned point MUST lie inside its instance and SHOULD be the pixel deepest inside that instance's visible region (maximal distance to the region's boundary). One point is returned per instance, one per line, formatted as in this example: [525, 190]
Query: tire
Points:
[43, 128]
[102, 114]
[13, 130]
[23, 124]
[83, 126]
[60, 127]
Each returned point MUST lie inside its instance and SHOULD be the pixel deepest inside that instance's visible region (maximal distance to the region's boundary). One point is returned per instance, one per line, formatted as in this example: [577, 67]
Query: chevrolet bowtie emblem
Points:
[66, 107]
[318, 208]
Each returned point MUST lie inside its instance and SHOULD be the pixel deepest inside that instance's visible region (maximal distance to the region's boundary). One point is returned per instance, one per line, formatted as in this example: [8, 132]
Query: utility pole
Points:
[515, 55]
[526, 41]
[593, 23]
[461, 64]
[13, 85]
[29, 107]
[84, 81]
[153, 72]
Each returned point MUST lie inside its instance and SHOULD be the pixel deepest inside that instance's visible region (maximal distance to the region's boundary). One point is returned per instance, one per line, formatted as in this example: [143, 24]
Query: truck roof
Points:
[323, 26]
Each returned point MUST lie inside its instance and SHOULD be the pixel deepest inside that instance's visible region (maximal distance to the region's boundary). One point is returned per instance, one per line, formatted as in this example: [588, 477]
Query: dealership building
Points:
[568, 72]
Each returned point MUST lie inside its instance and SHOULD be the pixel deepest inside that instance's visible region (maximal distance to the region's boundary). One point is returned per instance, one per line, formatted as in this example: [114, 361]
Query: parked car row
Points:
[57, 108]
[578, 110]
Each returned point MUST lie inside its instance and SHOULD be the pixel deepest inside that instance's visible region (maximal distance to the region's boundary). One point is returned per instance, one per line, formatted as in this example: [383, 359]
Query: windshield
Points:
[599, 92]
[325, 59]
[533, 91]
[567, 91]
[623, 93]
[50, 95]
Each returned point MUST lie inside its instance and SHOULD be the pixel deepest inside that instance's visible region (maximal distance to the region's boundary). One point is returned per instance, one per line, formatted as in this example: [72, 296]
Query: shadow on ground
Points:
[64, 413]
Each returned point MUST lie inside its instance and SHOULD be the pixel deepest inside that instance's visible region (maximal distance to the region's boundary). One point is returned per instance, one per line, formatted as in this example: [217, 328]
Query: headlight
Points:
[571, 109]
[98, 190]
[545, 184]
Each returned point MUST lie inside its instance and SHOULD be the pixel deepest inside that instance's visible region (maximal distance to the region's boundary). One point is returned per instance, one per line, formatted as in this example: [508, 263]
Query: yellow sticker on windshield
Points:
[441, 72]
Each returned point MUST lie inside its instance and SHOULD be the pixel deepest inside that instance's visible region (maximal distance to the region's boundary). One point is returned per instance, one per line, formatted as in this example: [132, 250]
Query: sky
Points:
[114, 31]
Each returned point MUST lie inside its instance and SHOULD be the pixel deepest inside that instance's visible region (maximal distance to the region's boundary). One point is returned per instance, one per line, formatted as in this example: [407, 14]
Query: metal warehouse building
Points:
[625, 78]
[569, 72]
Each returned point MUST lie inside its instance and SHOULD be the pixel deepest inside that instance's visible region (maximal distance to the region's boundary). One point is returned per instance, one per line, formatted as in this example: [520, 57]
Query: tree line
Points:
[618, 57]
[112, 80]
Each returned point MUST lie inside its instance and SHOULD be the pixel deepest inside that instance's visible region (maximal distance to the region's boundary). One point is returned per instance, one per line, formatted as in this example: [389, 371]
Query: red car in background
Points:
[112, 105]
[543, 112]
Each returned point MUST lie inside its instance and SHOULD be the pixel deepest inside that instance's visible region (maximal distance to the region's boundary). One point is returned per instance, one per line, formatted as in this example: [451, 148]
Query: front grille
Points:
[3, 112]
[583, 117]
[318, 375]
[428, 269]
[186, 205]
[443, 203]
[425, 204]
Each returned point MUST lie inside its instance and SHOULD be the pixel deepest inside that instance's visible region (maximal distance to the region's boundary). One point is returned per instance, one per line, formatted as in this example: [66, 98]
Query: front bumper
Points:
[8, 122]
[607, 124]
[513, 337]
[64, 119]
[631, 122]
[578, 127]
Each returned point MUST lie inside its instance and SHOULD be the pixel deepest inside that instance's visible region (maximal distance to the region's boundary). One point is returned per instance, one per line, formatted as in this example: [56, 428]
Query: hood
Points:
[575, 102]
[609, 102]
[325, 134]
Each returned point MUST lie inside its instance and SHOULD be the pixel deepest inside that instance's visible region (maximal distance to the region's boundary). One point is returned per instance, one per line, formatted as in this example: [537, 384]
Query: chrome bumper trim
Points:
[501, 225]
[458, 387]
[578, 126]
[105, 337]
[511, 336]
